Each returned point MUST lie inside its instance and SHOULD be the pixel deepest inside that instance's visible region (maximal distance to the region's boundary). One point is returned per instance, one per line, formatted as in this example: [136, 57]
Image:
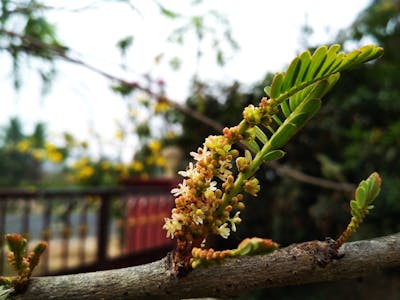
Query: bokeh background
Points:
[82, 104]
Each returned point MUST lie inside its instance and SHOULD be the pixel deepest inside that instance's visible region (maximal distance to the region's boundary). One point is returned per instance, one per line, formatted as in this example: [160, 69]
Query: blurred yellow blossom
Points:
[53, 154]
[160, 161]
[81, 163]
[137, 166]
[155, 146]
[124, 172]
[119, 135]
[23, 146]
[86, 172]
[105, 165]
[37, 154]
[161, 106]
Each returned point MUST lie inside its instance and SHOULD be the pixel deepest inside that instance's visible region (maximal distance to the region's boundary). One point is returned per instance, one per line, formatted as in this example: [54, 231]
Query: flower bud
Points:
[242, 164]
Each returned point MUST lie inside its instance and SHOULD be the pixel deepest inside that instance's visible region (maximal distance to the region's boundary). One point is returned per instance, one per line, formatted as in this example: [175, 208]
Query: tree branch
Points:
[302, 177]
[297, 264]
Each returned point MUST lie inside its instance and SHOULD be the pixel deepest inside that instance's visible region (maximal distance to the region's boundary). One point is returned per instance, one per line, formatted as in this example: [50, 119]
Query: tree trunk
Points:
[294, 265]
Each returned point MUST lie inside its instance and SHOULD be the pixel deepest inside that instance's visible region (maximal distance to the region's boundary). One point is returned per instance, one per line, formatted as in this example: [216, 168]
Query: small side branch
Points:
[302, 177]
[294, 265]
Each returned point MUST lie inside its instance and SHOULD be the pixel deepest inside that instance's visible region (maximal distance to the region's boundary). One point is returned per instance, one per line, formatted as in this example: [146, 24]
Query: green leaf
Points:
[267, 90]
[300, 119]
[318, 89]
[285, 109]
[365, 54]
[252, 145]
[348, 60]
[261, 135]
[273, 155]
[248, 155]
[291, 74]
[167, 12]
[334, 67]
[276, 85]
[330, 59]
[361, 196]
[311, 106]
[125, 43]
[317, 61]
[305, 58]
[296, 99]
[277, 120]
[283, 134]
[353, 204]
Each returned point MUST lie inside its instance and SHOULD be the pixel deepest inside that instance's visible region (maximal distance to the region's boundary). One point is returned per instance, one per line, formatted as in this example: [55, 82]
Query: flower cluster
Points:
[199, 207]
[209, 199]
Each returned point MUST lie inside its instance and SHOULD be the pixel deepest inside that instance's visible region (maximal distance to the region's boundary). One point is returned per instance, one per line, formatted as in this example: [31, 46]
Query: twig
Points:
[302, 177]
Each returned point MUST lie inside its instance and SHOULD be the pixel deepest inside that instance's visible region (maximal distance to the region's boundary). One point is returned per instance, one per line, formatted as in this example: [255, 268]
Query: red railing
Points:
[90, 229]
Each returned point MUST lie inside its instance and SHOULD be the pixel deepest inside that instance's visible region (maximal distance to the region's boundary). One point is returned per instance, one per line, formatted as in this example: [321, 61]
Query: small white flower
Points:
[235, 220]
[174, 224]
[199, 156]
[190, 171]
[224, 231]
[169, 227]
[213, 186]
[198, 216]
[182, 189]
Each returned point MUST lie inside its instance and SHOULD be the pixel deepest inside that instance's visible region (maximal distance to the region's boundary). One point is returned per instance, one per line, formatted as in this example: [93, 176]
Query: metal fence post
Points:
[103, 228]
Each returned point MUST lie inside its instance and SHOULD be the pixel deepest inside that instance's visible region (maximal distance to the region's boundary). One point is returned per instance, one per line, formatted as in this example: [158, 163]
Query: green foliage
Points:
[27, 33]
[23, 265]
[366, 193]
[202, 205]
[297, 94]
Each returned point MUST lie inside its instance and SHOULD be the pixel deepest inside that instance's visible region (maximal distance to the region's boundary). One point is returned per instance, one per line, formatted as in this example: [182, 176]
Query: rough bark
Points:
[297, 264]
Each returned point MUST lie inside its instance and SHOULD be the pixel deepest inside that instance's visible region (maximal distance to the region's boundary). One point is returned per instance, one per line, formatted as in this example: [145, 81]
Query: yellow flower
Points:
[86, 172]
[80, 163]
[119, 135]
[160, 161]
[137, 166]
[50, 147]
[37, 154]
[23, 146]
[161, 106]
[123, 171]
[155, 146]
[55, 156]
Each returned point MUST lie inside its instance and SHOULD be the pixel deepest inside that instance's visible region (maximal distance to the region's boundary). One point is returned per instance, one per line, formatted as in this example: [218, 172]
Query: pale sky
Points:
[267, 31]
